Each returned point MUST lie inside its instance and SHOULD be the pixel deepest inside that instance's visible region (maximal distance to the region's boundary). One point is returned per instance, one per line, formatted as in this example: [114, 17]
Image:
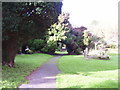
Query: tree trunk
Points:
[9, 50]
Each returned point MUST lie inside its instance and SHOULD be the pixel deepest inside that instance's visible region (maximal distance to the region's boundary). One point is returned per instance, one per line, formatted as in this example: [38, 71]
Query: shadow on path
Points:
[59, 54]
[44, 76]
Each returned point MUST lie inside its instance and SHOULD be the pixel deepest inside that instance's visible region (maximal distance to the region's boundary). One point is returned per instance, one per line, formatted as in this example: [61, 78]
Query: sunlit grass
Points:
[24, 65]
[59, 52]
[78, 72]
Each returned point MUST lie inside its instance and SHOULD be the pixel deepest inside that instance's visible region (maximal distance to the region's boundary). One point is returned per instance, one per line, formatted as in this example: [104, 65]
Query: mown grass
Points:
[59, 52]
[78, 72]
[24, 65]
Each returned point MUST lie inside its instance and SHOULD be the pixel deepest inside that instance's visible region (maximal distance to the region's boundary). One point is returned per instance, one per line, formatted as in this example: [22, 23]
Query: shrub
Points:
[36, 44]
[78, 51]
[50, 47]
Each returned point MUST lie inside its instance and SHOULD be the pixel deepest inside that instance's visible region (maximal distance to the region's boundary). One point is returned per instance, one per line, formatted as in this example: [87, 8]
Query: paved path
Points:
[44, 76]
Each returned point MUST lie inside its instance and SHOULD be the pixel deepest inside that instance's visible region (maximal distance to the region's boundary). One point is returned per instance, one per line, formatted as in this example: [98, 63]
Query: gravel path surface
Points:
[44, 76]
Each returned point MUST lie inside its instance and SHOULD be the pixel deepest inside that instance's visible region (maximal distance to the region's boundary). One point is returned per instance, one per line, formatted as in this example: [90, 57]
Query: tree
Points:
[74, 36]
[23, 21]
[54, 35]
[62, 33]
[74, 41]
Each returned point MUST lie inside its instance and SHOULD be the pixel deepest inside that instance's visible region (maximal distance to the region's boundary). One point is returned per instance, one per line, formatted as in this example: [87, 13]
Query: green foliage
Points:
[36, 44]
[25, 64]
[16, 14]
[62, 32]
[23, 21]
[76, 72]
[26, 18]
[44, 46]
[77, 51]
[48, 44]
[87, 38]
[55, 34]
[50, 47]
[74, 40]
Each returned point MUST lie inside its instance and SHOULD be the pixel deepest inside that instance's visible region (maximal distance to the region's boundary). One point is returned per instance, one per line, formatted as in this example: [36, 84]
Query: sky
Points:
[84, 12]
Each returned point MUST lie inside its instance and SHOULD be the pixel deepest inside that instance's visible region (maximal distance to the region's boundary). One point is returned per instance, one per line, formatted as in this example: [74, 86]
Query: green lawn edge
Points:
[24, 65]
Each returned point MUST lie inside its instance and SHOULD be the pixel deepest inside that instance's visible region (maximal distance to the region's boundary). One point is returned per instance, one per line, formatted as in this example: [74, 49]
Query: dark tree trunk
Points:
[9, 50]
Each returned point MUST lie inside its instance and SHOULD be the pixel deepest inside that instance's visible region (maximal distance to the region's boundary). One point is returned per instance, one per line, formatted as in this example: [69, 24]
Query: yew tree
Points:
[22, 21]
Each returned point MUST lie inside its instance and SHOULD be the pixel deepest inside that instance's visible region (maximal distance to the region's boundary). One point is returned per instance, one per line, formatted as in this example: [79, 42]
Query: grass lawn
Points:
[58, 52]
[80, 73]
[24, 65]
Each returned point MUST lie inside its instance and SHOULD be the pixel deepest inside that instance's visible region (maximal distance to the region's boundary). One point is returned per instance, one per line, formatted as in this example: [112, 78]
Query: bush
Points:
[40, 45]
[36, 44]
[74, 41]
[78, 51]
[50, 47]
